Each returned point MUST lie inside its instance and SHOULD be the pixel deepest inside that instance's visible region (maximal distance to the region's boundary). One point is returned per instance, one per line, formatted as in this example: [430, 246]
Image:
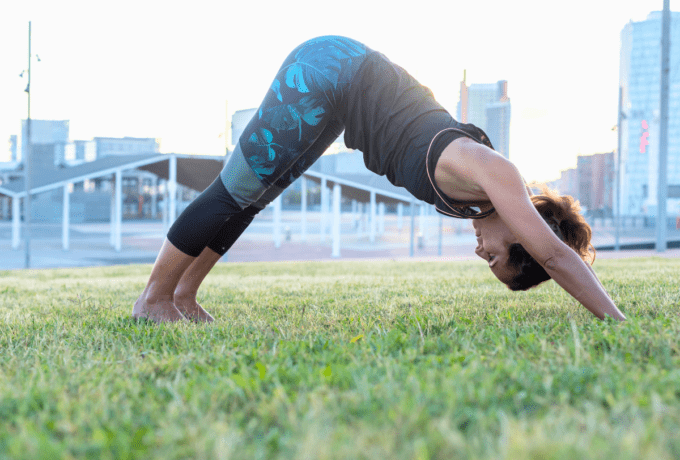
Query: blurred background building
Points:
[143, 192]
[107, 146]
[592, 182]
[53, 150]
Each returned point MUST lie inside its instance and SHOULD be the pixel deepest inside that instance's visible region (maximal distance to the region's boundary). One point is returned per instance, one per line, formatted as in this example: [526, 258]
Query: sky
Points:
[169, 69]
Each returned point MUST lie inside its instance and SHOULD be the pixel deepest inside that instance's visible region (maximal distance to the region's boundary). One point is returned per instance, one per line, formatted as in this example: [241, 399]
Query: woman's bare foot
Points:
[160, 312]
[192, 310]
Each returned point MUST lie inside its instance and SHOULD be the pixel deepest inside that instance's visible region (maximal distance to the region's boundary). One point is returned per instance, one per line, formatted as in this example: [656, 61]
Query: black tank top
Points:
[392, 119]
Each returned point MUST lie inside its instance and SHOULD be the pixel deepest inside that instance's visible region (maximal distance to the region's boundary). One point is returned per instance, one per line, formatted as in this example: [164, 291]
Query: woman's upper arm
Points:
[505, 187]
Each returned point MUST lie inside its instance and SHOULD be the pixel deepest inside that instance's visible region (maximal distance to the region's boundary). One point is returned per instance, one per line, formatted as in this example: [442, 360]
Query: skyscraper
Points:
[487, 106]
[640, 78]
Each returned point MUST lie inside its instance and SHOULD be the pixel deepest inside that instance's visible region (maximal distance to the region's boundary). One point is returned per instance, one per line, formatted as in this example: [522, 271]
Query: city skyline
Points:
[154, 70]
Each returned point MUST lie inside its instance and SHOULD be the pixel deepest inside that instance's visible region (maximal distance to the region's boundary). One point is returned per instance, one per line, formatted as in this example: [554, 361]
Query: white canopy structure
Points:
[197, 172]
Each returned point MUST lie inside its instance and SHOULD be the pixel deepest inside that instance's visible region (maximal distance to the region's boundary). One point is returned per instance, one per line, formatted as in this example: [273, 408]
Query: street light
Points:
[621, 117]
[27, 160]
[662, 174]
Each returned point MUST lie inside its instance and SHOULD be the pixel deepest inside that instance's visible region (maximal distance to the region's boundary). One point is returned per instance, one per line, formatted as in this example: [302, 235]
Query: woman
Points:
[330, 84]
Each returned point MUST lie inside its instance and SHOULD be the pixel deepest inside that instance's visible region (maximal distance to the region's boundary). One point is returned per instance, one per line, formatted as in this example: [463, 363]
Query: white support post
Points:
[154, 193]
[423, 223]
[324, 209]
[140, 195]
[354, 214]
[172, 189]
[166, 208]
[112, 220]
[66, 214]
[400, 215]
[16, 222]
[327, 212]
[277, 222]
[337, 193]
[303, 210]
[372, 229]
[360, 219]
[119, 209]
[381, 220]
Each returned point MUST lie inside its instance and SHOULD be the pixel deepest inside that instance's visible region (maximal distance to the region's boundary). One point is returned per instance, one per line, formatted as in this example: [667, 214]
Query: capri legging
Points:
[301, 115]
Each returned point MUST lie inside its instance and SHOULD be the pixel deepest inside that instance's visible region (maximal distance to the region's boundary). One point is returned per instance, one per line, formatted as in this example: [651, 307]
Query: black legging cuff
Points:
[203, 219]
[232, 230]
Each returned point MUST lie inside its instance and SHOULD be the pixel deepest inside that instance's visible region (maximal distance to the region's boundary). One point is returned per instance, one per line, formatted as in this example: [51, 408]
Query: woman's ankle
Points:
[184, 296]
[151, 296]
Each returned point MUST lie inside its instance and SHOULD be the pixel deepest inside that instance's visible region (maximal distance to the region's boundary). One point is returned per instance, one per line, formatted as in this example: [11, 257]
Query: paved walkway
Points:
[89, 246]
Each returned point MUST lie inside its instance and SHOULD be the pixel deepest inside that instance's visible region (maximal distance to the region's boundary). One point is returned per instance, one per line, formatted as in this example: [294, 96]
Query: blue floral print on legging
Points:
[300, 115]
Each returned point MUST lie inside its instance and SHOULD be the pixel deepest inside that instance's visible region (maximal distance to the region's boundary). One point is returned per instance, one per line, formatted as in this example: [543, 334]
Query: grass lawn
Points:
[383, 360]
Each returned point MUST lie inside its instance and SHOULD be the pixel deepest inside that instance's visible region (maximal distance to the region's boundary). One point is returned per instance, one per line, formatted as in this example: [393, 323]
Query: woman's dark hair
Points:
[562, 214]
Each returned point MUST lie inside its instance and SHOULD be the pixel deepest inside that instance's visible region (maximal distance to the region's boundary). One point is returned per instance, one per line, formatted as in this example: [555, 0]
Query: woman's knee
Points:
[240, 181]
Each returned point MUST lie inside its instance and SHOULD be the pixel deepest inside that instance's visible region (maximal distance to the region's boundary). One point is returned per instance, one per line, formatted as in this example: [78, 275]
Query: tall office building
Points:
[487, 106]
[640, 78]
[568, 183]
[602, 191]
[498, 126]
[591, 183]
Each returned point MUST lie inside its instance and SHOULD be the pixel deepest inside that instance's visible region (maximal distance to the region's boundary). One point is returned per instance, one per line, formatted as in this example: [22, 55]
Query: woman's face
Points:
[493, 242]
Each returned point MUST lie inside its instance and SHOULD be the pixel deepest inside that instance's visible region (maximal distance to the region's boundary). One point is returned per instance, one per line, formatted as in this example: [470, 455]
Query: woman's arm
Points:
[579, 280]
[598, 279]
[502, 182]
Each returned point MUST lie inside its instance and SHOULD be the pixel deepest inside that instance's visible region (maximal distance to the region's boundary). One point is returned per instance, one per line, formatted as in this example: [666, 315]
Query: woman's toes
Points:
[193, 311]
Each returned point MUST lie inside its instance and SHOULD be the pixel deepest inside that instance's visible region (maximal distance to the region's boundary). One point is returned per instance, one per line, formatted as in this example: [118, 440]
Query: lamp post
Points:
[27, 163]
[621, 117]
[662, 181]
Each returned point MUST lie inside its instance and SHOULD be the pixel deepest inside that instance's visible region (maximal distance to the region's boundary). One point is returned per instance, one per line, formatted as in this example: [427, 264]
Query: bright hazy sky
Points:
[166, 69]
